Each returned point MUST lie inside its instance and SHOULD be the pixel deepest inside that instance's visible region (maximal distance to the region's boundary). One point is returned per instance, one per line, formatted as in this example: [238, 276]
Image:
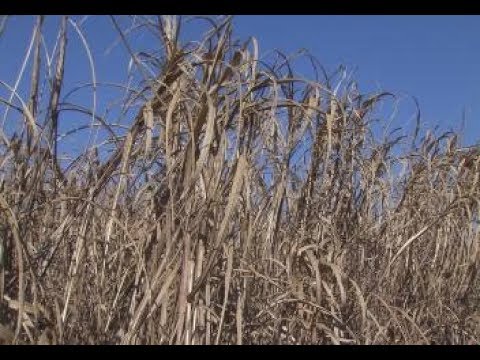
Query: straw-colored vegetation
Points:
[244, 204]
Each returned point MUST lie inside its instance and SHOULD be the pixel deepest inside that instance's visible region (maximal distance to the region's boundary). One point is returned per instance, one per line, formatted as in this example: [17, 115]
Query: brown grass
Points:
[244, 205]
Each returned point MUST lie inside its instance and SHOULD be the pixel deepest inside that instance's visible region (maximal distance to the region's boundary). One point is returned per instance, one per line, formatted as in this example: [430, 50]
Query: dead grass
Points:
[243, 205]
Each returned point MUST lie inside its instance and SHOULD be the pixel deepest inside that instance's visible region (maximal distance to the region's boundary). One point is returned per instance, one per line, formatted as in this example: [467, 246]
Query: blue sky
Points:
[434, 58]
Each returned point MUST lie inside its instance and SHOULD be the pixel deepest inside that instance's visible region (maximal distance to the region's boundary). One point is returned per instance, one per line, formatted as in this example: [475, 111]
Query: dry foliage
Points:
[243, 205]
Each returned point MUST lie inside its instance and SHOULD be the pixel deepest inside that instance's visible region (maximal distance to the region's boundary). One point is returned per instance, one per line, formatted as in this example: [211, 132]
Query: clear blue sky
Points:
[434, 58]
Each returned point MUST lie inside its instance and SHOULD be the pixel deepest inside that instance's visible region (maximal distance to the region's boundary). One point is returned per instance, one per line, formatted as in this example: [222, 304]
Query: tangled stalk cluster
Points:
[243, 205]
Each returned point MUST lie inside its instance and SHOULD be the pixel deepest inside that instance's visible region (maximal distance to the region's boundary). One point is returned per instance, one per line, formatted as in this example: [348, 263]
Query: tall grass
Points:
[244, 204]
